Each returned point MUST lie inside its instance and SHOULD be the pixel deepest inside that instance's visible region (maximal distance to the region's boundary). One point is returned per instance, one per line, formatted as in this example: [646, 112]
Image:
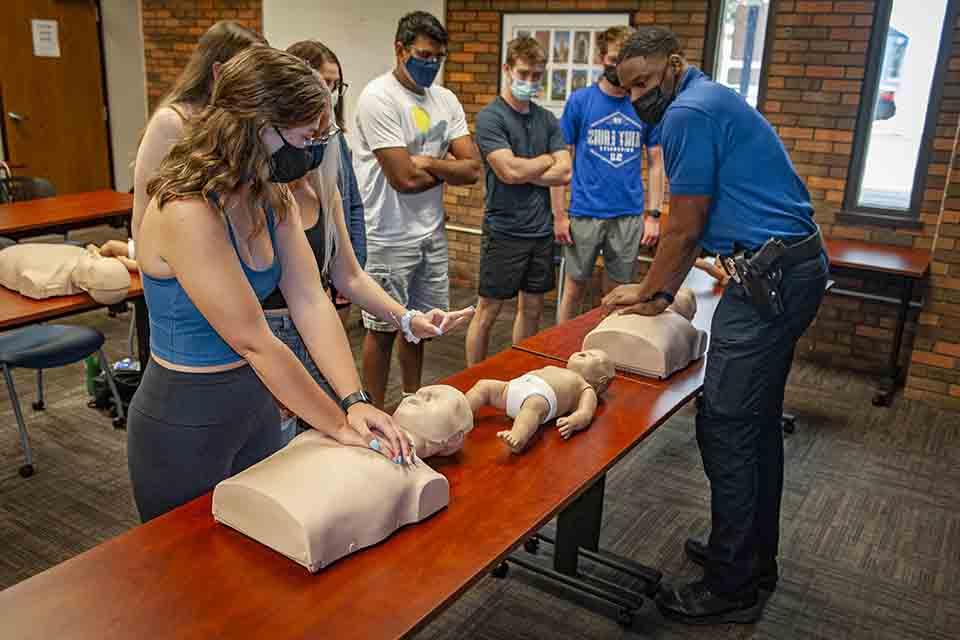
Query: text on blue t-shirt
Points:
[608, 141]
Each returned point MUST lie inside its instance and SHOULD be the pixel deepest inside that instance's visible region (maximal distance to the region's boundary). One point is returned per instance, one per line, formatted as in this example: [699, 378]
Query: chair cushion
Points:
[48, 345]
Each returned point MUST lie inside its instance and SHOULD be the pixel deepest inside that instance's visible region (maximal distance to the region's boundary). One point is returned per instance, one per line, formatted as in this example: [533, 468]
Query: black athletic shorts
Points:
[509, 265]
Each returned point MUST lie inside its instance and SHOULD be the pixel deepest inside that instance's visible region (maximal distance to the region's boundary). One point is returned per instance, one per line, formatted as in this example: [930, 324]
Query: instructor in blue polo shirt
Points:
[735, 194]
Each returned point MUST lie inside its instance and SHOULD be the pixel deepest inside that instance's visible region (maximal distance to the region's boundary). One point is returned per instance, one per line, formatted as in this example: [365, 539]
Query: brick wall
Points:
[171, 29]
[814, 90]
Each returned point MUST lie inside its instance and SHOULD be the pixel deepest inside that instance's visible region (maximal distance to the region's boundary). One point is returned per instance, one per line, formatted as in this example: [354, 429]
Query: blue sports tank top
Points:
[179, 333]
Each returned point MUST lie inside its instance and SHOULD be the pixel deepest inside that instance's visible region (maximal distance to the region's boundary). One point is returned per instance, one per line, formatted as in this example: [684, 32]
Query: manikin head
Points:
[685, 303]
[594, 366]
[437, 418]
[105, 279]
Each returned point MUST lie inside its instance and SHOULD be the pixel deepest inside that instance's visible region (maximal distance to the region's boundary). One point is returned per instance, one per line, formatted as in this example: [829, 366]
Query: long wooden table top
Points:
[562, 341]
[19, 311]
[79, 209]
[857, 254]
[184, 576]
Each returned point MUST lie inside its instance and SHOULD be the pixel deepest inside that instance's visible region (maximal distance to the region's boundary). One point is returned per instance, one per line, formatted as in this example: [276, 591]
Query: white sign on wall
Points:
[46, 39]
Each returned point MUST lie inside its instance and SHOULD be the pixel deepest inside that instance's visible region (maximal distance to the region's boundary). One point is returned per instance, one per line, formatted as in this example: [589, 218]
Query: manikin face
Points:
[437, 418]
[105, 279]
[685, 303]
[594, 366]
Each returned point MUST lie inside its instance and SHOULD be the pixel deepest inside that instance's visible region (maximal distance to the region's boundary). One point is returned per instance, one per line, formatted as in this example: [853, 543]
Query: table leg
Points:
[142, 321]
[579, 526]
[888, 384]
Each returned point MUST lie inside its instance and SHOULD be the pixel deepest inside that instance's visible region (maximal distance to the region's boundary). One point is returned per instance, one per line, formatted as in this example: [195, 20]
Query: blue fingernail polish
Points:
[375, 444]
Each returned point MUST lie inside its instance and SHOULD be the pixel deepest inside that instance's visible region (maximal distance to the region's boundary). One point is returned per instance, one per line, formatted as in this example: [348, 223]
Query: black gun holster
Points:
[760, 272]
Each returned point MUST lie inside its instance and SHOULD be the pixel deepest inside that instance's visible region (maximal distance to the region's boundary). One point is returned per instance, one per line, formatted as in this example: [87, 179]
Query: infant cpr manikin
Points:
[655, 346]
[316, 500]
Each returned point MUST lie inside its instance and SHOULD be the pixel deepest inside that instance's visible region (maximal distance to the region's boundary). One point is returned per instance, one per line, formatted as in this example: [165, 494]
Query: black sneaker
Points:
[697, 553]
[694, 603]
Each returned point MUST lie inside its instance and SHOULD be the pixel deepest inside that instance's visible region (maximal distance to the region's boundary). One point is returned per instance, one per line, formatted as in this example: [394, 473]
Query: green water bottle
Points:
[91, 367]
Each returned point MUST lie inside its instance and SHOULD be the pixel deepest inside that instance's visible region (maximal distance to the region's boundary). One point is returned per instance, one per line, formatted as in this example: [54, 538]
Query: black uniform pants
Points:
[738, 424]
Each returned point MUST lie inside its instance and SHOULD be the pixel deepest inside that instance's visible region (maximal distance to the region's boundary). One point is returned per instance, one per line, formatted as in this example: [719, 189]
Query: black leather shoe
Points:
[694, 603]
[697, 553]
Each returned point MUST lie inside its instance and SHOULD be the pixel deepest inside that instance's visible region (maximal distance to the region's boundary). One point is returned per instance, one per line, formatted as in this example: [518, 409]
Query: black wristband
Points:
[653, 213]
[666, 295]
[355, 398]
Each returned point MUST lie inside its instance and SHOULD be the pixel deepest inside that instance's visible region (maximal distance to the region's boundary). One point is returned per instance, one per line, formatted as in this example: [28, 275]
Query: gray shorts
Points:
[619, 238]
[416, 276]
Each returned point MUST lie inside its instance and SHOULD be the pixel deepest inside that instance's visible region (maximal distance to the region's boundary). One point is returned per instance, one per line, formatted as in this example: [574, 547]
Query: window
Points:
[735, 45]
[907, 58]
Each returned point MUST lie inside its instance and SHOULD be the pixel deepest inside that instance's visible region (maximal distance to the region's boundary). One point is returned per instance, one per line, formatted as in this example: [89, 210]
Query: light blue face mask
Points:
[524, 90]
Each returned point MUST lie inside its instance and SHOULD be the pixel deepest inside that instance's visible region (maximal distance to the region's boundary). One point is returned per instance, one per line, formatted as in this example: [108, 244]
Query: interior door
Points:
[54, 107]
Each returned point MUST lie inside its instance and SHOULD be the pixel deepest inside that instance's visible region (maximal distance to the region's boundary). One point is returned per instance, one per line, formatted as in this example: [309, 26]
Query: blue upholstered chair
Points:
[47, 346]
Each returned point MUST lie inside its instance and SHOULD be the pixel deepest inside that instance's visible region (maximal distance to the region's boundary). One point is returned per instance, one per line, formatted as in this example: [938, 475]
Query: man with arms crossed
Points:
[525, 156]
[413, 137]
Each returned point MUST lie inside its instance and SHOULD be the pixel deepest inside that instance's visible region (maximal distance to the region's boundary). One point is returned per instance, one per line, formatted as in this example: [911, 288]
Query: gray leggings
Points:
[188, 431]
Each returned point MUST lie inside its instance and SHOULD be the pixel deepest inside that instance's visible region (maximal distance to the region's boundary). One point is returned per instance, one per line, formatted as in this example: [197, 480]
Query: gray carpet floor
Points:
[871, 509]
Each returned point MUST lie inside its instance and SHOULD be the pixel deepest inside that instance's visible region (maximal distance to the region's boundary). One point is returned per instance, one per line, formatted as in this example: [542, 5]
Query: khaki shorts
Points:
[618, 238]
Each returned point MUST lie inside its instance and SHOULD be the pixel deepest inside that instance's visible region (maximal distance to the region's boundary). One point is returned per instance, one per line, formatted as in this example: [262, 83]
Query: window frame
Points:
[712, 43]
[851, 212]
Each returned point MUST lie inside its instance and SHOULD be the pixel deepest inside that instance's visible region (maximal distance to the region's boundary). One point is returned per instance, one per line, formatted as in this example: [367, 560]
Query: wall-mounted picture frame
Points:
[570, 41]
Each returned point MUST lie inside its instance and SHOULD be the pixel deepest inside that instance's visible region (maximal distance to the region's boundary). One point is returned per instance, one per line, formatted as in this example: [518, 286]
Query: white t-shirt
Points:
[390, 115]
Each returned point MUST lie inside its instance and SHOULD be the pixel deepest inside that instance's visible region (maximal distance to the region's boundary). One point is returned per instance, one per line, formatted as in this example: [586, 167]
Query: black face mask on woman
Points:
[651, 106]
[289, 163]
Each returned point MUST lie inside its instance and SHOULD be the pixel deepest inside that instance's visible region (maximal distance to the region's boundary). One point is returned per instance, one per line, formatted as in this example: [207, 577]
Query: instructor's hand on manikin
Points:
[629, 299]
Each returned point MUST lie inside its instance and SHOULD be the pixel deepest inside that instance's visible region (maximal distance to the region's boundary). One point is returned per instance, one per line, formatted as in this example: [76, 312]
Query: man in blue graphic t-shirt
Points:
[607, 200]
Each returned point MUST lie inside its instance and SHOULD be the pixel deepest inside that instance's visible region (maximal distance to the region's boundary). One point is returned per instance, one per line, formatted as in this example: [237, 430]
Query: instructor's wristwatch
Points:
[653, 213]
[355, 398]
[666, 295]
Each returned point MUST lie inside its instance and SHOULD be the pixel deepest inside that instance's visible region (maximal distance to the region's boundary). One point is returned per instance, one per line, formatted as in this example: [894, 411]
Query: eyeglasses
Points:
[326, 136]
[428, 56]
[339, 86]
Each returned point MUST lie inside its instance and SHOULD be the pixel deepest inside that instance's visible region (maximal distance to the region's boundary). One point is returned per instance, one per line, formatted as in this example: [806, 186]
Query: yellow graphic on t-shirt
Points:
[421, 119]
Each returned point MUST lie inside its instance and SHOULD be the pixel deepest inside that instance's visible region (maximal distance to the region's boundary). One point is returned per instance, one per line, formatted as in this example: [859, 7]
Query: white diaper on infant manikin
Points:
[519, 389]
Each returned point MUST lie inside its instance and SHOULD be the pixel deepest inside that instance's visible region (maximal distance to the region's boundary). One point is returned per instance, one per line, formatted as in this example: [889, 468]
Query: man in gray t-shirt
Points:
[525, 154]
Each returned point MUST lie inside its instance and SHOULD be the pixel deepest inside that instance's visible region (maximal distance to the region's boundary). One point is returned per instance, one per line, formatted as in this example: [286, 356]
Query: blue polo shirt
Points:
[717, 145]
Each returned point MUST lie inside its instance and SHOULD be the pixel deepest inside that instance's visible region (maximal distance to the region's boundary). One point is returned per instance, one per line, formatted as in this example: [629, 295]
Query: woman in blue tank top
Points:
[219, 235]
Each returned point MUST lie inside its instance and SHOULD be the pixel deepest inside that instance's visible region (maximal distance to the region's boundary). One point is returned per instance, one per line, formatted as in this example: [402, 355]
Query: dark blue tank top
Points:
[179, 333]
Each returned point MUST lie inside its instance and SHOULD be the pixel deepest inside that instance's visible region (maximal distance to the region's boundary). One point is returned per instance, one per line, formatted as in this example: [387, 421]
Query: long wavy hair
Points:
[218, 44]
[222, 149]
[318, 54]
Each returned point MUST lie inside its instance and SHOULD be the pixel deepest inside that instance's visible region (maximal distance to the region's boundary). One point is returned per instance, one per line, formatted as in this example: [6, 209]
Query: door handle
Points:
[16, 116]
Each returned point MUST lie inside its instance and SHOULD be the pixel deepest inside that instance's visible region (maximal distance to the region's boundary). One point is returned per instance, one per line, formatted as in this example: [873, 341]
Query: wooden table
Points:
[60, 214]
[20, 311]
[184, 576]
[907, 264]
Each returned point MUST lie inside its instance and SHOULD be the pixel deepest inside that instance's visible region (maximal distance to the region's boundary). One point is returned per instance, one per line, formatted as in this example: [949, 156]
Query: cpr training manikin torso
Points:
[316, 501]
[39, 270]
[656, 346]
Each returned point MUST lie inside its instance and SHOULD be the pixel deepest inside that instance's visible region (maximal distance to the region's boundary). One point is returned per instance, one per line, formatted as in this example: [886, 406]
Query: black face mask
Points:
[610, 73]
[289, 163]
[651, 106]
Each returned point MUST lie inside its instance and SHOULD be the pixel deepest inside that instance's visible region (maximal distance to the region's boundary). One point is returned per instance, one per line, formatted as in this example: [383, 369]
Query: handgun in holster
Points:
[760, 276]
